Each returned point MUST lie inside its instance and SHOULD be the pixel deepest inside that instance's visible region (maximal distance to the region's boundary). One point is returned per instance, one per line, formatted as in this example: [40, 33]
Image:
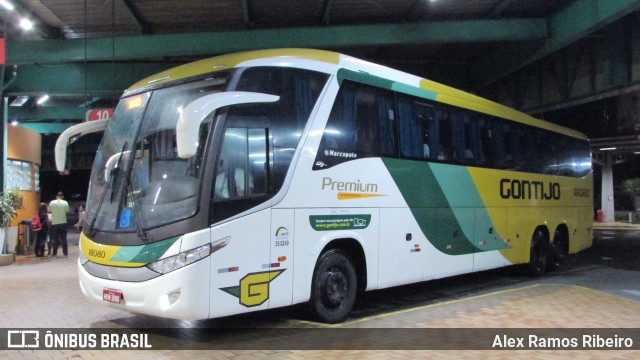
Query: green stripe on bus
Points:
[144, 253]
[462, 194]
[363, 78]
[449, 231]
[414, 91]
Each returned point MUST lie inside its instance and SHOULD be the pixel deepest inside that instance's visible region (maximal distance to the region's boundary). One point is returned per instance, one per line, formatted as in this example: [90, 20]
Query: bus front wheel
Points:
[333, 291]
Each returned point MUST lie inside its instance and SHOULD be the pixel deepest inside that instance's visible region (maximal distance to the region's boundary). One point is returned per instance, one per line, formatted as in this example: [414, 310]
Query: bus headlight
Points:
[185, 258]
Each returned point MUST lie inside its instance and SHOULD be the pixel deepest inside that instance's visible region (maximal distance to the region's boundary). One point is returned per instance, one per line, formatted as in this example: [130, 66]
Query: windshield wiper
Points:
[111, 180]
[142, 234]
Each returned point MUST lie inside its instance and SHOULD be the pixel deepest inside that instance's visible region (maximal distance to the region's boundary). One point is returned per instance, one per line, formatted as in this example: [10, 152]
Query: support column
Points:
[607, 189]
[5, 141]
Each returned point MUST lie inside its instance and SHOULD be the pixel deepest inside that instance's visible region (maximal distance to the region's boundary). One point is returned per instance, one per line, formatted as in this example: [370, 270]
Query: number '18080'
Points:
[97, 253]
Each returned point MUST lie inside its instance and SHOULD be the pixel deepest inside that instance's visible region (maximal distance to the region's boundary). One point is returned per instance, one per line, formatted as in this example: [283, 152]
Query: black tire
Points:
[539, 255]
[559, 252]
[334, 287]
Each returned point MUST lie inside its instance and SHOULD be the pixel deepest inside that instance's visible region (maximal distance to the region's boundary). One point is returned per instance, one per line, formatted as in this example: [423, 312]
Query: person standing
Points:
[59, 209]
[41, 235]
[78, 225]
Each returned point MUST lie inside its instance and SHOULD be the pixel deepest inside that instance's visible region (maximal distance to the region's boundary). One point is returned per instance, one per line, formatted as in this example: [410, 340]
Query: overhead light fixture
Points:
[42, 99]
[26, 24]
[7, 5]
[19, 101]
[607, 148]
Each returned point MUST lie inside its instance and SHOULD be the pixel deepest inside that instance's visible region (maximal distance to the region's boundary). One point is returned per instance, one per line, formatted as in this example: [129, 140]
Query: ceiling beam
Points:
[501, 7]
[47, 128]
[583, 17]
[245, 13]
[135, 16]
[102, 79]
[30, 114]
[39, 25]
[326, 13]
[205, 44]
[579, 19]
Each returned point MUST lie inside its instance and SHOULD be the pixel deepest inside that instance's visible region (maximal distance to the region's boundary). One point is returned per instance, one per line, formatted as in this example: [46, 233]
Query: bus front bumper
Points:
[181, 294]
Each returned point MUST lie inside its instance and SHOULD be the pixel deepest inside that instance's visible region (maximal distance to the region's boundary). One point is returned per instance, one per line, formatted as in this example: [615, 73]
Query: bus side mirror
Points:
[72, 134]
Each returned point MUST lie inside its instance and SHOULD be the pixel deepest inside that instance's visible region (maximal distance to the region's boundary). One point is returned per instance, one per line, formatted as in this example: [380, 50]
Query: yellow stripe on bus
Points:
[348, 196]
[101, 254]
[230, 61]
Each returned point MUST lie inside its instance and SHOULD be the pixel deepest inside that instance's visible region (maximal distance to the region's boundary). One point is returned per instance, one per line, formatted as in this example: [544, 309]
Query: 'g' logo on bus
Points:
[254, 288]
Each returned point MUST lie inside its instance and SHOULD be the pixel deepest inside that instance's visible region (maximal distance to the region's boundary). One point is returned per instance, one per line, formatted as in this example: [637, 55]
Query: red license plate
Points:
[112, 295]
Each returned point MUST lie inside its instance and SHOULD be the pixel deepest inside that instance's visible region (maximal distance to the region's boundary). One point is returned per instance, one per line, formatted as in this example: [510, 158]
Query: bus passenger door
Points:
[240, 272]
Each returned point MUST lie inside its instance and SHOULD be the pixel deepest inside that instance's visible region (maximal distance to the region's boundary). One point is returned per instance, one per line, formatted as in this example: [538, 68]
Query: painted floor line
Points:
[499, 292]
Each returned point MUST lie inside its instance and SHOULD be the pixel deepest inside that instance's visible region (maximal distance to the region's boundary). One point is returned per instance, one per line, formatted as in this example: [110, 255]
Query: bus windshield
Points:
[138, 181]
[147, 172]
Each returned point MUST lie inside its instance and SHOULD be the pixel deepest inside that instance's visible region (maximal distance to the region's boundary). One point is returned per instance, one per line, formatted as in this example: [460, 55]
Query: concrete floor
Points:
[600, 290]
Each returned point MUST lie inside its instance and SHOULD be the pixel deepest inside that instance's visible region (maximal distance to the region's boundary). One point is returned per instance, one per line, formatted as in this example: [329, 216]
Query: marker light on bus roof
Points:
[134, 102]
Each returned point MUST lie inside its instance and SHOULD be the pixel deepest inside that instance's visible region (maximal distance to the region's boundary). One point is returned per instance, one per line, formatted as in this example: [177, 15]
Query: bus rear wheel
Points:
[333, 291]
[559, 251]
[539, 254]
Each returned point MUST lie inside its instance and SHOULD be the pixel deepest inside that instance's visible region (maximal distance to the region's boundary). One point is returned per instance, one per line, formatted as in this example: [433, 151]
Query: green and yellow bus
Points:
[269, 178]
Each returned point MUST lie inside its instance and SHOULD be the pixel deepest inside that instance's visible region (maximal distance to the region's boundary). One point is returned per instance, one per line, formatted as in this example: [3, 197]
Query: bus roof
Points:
[363, 71]
[229, 61]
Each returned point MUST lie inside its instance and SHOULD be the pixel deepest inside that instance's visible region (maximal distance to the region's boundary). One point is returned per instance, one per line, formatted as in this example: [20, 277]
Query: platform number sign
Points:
[99, 114]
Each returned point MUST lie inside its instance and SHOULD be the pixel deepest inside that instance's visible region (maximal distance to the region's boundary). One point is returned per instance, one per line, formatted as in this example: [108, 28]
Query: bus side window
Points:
[487, 141]
[514, 146]
[257, 165]
[474, 131]
[499, 142]
[361, 124]
[374, 121]
[241, 179]
[420, 130]
[547, 146]
[463, 154]
[445, 136]
[413, 135]
[242, 169]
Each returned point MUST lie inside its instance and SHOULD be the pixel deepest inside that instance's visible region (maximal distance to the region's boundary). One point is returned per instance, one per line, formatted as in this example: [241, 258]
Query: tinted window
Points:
[298, 90]
[362, 124]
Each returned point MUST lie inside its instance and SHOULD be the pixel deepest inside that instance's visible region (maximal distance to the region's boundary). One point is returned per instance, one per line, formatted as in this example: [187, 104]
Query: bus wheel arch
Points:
[559, 249]
[539, 251]
[339, 274]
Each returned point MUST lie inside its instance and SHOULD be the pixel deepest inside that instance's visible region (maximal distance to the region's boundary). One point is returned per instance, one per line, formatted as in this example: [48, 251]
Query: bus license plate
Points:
[112, 295]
